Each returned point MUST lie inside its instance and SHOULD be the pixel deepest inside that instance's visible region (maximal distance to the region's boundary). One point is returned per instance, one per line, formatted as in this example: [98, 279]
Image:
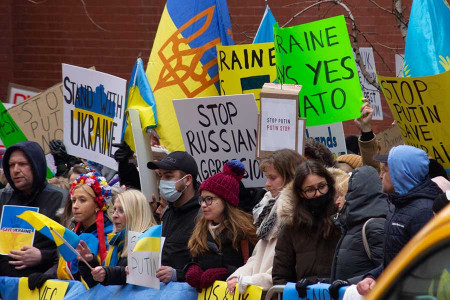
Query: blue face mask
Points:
[168, 191]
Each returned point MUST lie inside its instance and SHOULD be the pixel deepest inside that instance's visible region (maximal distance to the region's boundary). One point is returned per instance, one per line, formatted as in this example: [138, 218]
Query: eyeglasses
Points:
[208, 200]
[310, 192]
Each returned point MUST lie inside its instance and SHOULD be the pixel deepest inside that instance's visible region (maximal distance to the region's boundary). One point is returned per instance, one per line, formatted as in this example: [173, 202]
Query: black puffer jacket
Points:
[45, 196]
[177, 226]
[364, 200]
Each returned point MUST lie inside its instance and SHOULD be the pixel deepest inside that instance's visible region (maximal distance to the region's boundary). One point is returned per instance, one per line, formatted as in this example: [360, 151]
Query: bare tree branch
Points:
[381, 7]
[398, 13]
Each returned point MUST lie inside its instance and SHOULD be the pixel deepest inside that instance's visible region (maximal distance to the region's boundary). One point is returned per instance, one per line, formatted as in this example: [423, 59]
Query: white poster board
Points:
[18, 93]
[369, 91]
[331, 135]
[142, 265]
[94, 105]
[399, 59]
[218, 129]
[301, 136]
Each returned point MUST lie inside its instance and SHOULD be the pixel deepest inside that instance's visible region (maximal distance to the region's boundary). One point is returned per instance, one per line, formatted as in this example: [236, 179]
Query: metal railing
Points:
[276, 290]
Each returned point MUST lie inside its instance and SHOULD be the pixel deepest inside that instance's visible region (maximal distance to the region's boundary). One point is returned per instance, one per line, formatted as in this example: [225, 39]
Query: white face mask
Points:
[168, 190]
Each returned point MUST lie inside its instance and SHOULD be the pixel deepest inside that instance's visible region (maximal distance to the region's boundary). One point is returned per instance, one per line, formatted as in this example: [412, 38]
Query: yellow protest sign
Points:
[421, 107]
[244, 69]
[219, 290]
[51, 290]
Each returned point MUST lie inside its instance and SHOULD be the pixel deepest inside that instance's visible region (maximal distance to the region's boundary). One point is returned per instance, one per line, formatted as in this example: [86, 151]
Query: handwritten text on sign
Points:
[421, 108]
[219, 291]
[94, 104]
[319, 57]
[218, 129]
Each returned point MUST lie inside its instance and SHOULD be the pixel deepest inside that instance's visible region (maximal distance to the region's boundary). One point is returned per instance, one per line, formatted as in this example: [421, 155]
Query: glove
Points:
[335, 286]
[58, 150]
[301, 286]
[123, 153]
[211, 275]
[193, 277]
[36, 280]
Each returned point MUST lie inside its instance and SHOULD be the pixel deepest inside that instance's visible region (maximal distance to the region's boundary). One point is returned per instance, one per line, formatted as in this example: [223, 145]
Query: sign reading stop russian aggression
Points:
[94, 104]
[421, 107]
[318, 56]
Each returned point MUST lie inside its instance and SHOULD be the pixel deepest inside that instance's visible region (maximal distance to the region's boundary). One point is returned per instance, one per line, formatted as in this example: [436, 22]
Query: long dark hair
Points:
[303, 218]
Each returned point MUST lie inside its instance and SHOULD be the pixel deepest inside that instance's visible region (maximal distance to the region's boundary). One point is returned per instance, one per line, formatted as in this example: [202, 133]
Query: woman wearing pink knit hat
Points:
[224, 235]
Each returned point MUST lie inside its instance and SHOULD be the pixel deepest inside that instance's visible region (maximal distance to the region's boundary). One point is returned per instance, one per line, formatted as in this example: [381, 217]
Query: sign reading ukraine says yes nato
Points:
[318, 56]
[94, 105]
[218, 129]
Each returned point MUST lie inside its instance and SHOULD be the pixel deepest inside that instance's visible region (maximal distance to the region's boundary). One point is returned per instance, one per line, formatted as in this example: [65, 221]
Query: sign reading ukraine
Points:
[94, 104]
[14, 232]
[183, 61]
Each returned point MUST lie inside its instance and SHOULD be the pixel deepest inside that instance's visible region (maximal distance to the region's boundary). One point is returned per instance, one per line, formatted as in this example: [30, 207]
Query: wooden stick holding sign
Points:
[71, 248]
[144, 155]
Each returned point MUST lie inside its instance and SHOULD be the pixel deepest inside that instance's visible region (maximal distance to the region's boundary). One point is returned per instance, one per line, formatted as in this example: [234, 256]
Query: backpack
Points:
[364, 237]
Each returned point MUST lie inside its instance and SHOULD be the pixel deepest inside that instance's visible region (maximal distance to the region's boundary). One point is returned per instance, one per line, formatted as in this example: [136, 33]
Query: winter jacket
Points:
[177, 226]
[299, 254]
[45, 196]
[364, 200]
[259, 266]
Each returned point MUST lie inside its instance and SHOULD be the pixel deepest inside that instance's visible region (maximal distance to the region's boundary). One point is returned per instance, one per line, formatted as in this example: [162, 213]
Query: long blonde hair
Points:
[237, 223]
[138, 214]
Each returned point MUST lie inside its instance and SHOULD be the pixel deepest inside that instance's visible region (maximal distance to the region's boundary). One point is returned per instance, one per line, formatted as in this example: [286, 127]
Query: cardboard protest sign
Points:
[51, 289]
[389, 138]
[421, 108]
[94, 104]
[331, 135]
[244, 69]
[279, 121]
[369, 91]
[219, 290]
[14, 232]
[41, 117]
[142, 265]
[318, 56]
[218, 129]
[18, 93]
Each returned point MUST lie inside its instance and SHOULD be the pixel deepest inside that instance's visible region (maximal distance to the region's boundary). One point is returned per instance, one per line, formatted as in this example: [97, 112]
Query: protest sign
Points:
[51, 290]
[318, 291]
[331, 135]
[389, 138]
[244, 69]
[94, 104]
[370, 92]
[218, 129]
[18, 93]
[14, 232]
[318, 56]
[142, 265]
[219, 290]
[7, 106]
[421, 108]
[301, 135]
[41, 117]
[399, 61]
[279, 122]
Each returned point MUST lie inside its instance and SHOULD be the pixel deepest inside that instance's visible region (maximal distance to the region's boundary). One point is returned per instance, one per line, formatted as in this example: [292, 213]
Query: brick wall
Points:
[37, 38]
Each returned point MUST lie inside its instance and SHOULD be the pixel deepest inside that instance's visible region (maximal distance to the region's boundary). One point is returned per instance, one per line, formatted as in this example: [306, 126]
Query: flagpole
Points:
[71, 248]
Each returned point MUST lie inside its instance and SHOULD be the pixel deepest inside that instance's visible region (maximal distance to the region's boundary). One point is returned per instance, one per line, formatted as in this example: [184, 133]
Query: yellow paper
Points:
[421, 107]
[244, 69]
[52, 289]
[219, 290]
[14, 241]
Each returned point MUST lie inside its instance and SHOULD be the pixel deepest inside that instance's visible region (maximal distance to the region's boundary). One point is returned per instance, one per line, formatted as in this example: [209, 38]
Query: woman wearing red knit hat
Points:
[224, 234]
[88, 194]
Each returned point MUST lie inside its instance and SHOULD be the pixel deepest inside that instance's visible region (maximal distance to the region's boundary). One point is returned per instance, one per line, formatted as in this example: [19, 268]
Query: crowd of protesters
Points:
[317, 220]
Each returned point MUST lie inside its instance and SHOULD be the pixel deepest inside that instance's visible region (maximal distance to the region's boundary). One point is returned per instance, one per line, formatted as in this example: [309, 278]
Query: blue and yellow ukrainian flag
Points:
[183, 61]
[265, 30]
[150, 240]
[140, 97]
[427, 50]
[43, 224]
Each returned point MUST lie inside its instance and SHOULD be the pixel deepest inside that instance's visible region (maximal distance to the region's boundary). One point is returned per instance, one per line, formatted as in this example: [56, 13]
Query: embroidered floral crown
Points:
[98, 184]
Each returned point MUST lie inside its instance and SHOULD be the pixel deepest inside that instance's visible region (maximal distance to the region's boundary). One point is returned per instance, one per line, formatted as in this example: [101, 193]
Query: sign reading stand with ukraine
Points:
[94, 104]
[183, 61]
[14, 232]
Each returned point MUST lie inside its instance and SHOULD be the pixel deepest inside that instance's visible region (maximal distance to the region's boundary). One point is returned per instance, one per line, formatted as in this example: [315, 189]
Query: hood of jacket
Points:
[427, 190]
[286, 205]
[408, 166]
[36, 158]
[364, 198]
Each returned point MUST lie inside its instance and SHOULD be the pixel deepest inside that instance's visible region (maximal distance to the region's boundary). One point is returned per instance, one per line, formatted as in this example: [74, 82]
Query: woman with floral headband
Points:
[88, 193]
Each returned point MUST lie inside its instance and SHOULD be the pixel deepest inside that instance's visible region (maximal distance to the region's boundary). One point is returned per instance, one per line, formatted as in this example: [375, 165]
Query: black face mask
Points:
[317, 206]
